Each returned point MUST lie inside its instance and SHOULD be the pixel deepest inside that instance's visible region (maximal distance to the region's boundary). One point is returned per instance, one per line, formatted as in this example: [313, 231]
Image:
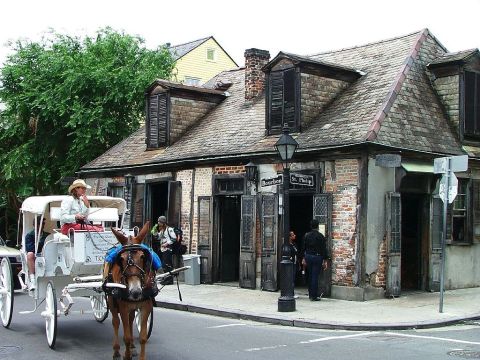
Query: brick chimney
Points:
[255, 59]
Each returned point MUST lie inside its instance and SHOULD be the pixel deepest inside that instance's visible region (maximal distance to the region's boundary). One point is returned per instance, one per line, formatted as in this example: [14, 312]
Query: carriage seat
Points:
[96, 214]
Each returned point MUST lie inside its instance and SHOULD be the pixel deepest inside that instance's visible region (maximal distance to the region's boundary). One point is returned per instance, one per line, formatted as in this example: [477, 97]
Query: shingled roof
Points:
[177, 51]
[392, 104]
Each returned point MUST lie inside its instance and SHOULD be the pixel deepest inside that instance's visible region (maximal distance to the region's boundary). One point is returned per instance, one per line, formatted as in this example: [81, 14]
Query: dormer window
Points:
[472, 105]
[282, 99]
[157, 121]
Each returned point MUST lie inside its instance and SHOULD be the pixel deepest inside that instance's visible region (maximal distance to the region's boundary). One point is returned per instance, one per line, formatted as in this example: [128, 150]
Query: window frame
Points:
[471, 115]
[214, 52]
[292, 73]
[462, 208]
[192, 81]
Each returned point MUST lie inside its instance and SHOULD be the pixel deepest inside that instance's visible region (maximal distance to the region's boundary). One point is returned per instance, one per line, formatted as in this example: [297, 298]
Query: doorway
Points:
[411, 269]
[301, 213]
[228, 258]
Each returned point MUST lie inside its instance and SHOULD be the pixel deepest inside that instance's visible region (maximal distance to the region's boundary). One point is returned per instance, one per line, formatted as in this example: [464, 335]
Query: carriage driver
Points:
[30, 249]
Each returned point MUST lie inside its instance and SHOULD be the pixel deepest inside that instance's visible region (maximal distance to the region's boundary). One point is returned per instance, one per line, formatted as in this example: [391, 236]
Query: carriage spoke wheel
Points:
[99, 307]
[50, 315]
[138, 322]
[6, 292]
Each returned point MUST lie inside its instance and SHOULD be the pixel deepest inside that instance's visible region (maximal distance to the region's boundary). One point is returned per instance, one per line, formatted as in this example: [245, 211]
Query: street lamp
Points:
[286, 147]
[252, 172]
[129, 180]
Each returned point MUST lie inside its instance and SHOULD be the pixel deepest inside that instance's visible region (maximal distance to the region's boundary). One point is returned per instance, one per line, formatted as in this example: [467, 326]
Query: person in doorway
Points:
[74, 209]
[30, 250]
[316, 257]
[292, 238]
[164, 236]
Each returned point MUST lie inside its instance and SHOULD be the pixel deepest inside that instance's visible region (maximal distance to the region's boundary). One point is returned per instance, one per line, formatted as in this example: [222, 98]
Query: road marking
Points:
[327, 338]
[223, 326]
[433, 338]
[265, 348]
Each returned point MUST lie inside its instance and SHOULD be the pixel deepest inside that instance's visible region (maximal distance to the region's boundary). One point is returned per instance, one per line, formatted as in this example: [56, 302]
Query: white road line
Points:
[328, 338]
[433, 338]
[223, 326]
[265, 348]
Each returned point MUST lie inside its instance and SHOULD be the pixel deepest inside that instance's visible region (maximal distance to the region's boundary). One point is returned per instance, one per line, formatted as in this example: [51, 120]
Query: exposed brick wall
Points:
[341, 179]
[218, 170]
[185, 177]
[255, 59]
[380, 277]
[202, 187]
[316, 93]
[184, 113]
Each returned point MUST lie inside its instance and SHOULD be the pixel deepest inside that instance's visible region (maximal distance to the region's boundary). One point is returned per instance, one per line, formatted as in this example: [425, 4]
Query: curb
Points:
[311, 324]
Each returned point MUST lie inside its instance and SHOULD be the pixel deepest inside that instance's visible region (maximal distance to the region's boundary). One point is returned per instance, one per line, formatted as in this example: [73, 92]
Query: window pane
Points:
[211, 54]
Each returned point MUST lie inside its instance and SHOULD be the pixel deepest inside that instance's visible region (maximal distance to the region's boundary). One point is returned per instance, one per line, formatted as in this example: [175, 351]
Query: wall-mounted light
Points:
[252, 173]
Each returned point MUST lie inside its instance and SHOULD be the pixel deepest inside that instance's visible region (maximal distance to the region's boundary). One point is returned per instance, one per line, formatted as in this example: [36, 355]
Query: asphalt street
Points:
[185, 335]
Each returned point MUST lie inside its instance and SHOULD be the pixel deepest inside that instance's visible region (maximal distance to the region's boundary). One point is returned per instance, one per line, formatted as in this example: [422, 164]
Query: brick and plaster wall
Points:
[316, 93]
[219, 170]
[201, 187]
[184, 113]
[341, 179]
[186, 178]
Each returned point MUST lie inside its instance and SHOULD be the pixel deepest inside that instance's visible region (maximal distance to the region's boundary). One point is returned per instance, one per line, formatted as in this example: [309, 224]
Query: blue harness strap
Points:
[112, 254]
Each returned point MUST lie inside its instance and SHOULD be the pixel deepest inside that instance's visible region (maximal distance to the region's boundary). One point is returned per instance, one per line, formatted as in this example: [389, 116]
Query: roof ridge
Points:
[367, 44]
[189, 42]
[376, 124]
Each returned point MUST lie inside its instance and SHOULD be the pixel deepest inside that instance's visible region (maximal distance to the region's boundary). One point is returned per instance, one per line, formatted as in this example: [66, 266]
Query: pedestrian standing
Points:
[292, 238]
[164, 236]
[316, 258]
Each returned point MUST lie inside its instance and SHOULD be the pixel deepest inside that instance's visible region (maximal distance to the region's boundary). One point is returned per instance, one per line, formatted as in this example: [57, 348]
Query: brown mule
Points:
[134, 270]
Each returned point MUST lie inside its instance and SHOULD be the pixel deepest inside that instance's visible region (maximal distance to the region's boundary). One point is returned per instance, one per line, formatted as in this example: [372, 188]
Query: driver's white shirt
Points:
[69, 208]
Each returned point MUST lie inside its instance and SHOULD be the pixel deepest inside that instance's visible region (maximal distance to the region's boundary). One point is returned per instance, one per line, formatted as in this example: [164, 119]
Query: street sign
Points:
[452, 189]
[457, 164]
[388, 160]
[300, 179]
[277, 180]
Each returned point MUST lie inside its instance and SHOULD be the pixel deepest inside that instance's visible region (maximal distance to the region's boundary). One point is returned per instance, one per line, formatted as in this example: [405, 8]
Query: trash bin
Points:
[192, 275]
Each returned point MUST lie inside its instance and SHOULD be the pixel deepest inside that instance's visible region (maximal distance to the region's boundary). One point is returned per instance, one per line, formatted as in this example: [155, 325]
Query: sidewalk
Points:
[411, 310]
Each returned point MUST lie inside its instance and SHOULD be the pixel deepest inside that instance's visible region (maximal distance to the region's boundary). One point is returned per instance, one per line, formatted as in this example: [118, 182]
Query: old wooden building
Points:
[369, 120]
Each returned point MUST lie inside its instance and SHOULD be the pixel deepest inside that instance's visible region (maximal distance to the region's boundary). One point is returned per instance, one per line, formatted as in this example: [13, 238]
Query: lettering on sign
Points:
[300, 179]
[277, 180]
[97, 245]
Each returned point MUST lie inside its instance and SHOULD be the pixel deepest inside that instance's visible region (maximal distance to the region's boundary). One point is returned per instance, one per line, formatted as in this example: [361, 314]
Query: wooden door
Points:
[174, 203]
[394, 243]
[322, 211]
[205, 213]
[247, 242]
[269, 231]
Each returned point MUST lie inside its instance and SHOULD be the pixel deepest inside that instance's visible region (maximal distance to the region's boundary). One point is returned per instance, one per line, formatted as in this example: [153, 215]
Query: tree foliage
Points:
[66, 101]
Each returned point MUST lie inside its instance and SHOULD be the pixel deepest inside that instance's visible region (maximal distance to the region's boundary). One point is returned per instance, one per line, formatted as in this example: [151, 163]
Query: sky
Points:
[301, 27]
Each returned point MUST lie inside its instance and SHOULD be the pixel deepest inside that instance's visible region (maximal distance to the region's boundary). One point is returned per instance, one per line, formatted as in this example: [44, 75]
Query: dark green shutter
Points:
[157, 121]
[282, 99]
[276, 101]
[472, 103]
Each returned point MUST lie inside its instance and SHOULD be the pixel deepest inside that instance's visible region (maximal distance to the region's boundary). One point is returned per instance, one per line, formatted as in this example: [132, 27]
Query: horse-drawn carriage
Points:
[67, 266]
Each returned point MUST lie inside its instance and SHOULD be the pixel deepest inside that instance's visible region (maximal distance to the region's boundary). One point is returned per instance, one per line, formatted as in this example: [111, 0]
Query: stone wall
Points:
[341, 179]
[316, 93]
[184, 113]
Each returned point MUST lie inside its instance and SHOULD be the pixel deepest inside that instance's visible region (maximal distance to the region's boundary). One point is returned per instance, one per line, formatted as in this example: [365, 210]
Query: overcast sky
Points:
[301, 27]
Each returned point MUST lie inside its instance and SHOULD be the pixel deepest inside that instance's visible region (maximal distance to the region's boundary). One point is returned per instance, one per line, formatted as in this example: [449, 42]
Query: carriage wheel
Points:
[138, 321]
[50, 315]
[6, 292]
[99, 307]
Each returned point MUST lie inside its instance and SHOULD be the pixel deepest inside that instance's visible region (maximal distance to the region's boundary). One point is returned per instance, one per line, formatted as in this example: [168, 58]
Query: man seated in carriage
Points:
[30, 249]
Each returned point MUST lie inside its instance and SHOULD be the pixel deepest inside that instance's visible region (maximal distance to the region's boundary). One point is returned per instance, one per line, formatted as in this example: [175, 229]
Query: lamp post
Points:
[129, 178]
[251, 172]
[286, 146]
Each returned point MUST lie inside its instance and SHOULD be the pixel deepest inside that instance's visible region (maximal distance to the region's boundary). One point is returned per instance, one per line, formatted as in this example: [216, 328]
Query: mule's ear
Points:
[141, 235]
[122, 239]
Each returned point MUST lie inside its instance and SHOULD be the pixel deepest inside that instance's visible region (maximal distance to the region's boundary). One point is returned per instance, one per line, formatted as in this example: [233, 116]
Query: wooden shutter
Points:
[157, 121]
[247, 242]
[394, 243]
[282, 99]
[476, 208]
[138, 205]
[472, 103]
[435, 260]
[205, 213]
[174, 203]
[322, 211]
[269, 231]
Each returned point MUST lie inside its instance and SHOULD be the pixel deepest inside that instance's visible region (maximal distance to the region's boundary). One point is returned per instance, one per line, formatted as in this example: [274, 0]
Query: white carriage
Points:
[68, 265]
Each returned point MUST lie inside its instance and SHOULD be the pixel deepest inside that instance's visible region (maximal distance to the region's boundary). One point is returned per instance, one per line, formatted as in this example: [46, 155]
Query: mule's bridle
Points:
[131, 263]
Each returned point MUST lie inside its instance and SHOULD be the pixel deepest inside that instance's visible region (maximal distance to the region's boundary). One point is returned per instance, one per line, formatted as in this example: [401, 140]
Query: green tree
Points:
[66, 101]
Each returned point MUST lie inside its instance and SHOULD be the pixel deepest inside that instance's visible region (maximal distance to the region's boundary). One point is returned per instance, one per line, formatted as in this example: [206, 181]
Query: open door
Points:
[247, 242]
[435, 261]
[322, 211]
[205, 213]
[269, 230]
[393, 228]
[174, 203]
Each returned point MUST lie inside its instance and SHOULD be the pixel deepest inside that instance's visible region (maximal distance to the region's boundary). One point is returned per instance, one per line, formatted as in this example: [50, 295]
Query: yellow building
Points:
[200, 60]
